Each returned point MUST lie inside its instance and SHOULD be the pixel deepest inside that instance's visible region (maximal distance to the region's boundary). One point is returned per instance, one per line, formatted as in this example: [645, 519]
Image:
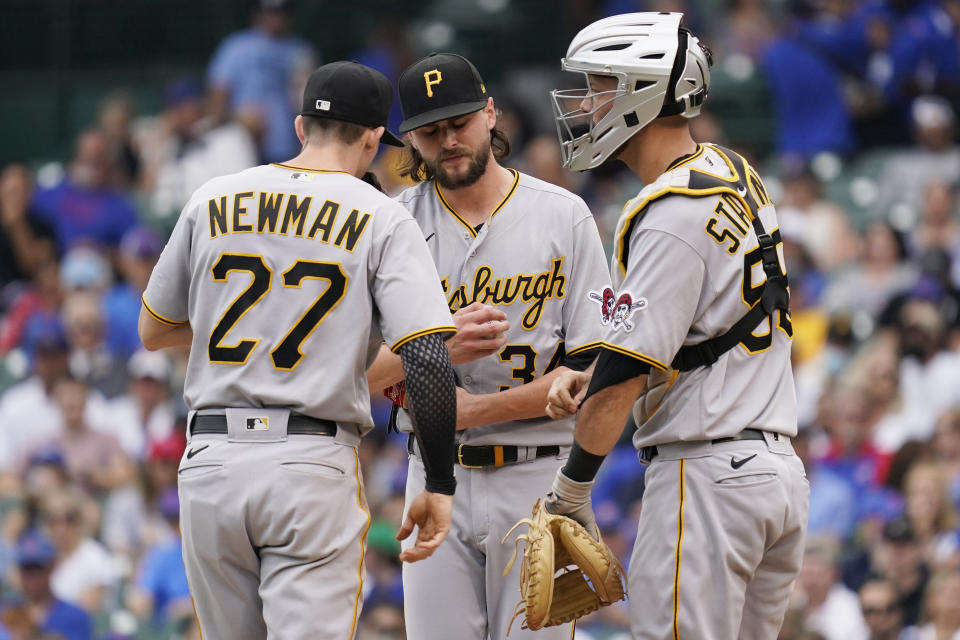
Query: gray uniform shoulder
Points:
[419, 190]
[668, 204]
[554, 198]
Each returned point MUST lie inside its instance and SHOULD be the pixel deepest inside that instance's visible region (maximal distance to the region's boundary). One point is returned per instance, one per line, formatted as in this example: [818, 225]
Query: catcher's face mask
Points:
[660, 68]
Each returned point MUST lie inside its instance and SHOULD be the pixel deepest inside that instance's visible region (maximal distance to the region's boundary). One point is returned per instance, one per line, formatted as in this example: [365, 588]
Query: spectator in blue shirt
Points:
[85, 208]
[138, 252]
[258, 74]
[161, 592]
[36, 556]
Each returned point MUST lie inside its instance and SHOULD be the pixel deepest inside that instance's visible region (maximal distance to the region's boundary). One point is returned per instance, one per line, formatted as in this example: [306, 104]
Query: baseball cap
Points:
[149, 364]
[181, 90]
[44, 334]
[141, 242]
[898, 530]
[35, 549]
[352, 92]
[437, 87]
[169, 448]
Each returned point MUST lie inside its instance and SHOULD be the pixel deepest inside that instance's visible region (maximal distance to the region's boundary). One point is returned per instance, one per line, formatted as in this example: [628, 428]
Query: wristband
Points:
[582, 466]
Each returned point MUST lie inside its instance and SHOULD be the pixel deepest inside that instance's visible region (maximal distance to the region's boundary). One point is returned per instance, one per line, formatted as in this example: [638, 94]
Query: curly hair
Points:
[416, 169]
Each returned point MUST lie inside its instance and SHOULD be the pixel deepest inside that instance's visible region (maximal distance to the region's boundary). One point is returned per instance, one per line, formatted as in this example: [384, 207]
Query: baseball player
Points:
[284, 280]
[507, 243]
[698, 345]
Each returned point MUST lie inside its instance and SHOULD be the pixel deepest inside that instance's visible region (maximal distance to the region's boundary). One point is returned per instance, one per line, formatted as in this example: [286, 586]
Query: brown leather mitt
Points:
[566, 573]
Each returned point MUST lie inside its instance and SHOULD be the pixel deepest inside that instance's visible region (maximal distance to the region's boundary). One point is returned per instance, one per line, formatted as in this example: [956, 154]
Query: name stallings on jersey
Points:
[535, 288]
[285, 213]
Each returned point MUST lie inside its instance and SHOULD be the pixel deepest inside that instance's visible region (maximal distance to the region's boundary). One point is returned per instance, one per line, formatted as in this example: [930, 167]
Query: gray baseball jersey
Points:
[729, 513]
[680, 278]
[288, 278]
[535, 259]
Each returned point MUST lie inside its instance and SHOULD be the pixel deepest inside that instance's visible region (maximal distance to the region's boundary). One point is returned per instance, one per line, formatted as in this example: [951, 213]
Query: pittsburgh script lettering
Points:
[534, 288]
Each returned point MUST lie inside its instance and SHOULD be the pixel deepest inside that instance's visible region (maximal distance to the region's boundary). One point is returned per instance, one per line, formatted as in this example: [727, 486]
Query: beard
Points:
[476, 168]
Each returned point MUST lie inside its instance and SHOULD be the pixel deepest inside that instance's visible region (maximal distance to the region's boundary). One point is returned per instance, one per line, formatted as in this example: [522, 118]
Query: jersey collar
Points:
[684, 159]
[293, 168]
[473, 232]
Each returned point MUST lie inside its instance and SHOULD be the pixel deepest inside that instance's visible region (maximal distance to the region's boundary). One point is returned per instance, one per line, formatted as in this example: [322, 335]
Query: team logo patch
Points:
[606, 300]
[258, 424]
[617, 310]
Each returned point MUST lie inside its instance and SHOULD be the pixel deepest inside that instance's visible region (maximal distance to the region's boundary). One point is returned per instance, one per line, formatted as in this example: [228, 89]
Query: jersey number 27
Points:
[286, 355]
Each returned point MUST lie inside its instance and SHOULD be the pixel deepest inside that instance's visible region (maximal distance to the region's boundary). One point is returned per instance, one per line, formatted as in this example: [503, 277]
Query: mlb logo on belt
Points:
[258, 424]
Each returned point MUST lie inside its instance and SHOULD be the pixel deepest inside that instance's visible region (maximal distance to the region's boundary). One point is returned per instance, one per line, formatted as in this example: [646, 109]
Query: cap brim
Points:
[443, 113]
[389, 138]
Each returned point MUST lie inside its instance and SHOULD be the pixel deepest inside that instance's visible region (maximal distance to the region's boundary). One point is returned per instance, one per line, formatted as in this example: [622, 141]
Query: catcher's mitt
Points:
[565, 574]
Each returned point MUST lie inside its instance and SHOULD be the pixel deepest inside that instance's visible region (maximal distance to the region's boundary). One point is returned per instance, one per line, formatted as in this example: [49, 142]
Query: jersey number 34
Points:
[286, 355]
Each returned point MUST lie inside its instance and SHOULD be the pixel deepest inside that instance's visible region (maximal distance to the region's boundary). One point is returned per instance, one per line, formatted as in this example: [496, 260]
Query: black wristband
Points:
[582, 466]
[446, 487]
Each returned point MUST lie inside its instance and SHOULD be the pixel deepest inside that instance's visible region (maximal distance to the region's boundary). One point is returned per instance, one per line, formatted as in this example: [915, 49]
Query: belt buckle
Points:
[460, 459]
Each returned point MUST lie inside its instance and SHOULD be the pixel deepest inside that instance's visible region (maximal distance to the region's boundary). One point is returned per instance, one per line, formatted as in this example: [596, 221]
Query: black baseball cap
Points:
[351, 92]
[437, 87]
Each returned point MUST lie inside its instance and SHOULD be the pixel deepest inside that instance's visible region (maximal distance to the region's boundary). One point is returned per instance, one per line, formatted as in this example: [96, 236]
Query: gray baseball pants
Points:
[460, 591]
[273, 537]
[719, 542]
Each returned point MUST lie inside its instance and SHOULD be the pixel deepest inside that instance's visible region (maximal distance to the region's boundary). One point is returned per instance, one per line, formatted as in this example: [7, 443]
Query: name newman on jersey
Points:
[225, 221]
[527, 287]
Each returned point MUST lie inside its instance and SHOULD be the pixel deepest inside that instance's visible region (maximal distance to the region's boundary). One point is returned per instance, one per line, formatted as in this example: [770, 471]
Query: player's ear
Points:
[491, 112]
[374, 137]
[298, 127]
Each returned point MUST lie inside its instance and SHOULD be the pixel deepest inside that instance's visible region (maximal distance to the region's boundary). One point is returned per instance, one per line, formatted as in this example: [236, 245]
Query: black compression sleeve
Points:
[613, 368]
[432, 401]
[582, 466]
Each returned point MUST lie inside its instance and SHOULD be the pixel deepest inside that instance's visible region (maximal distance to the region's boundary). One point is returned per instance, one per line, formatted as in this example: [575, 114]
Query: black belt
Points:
[494, 455]
[649, 453]
[297, 424]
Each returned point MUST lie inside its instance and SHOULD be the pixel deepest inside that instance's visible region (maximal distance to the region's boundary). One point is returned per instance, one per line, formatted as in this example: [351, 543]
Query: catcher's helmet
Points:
[661, 70]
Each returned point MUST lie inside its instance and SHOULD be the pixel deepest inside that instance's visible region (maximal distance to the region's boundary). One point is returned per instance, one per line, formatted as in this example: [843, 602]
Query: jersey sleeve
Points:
[588, 274]
[657, 300]
[167, 291]
[406, 287]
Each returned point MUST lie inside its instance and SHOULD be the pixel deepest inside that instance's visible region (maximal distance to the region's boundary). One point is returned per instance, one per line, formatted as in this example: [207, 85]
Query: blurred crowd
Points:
[93, 426]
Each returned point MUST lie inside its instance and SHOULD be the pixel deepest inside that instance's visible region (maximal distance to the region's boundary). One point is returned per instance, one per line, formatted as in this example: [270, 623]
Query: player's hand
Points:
[481, 331]
[430, 513]
[572, 499]
[566, 393]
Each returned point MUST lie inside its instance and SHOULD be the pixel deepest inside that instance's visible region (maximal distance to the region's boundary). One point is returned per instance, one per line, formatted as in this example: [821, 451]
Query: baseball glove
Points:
[566, 573]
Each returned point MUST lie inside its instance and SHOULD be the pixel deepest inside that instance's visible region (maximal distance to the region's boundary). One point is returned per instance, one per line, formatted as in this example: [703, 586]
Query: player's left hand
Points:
[430, 513]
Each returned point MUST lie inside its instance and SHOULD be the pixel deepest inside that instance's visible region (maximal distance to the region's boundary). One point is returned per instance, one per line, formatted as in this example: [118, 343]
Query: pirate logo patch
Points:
[606, 300]
[617, 311]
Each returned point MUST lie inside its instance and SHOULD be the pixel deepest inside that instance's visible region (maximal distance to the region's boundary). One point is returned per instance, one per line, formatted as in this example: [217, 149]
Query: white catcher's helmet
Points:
[661, 70]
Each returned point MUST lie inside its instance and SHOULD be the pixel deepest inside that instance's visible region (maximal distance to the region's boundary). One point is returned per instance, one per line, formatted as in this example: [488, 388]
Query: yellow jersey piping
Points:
[423, 332]
[473, 232]
[160, 318]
